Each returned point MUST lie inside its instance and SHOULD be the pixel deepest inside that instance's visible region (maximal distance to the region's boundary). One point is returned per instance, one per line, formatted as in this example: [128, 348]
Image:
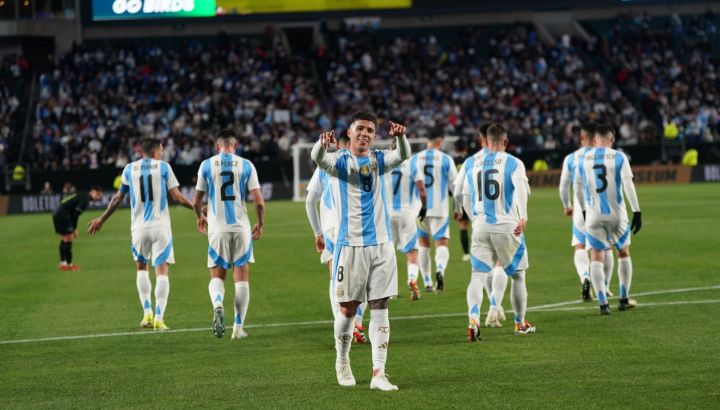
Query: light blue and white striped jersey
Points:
[402, 192]
[363, 218]
[567, 175]
[493, 183]
[320, 184]
[227, 178]
[462, 173]
[147, 181]
[439, 173]
[600, 175]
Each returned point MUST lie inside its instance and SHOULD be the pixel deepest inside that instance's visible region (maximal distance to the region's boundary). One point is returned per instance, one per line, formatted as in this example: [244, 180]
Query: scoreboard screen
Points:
[114, 10]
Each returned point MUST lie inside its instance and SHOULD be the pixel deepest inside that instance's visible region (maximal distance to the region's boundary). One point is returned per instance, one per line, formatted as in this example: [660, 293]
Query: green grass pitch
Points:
[664, 354]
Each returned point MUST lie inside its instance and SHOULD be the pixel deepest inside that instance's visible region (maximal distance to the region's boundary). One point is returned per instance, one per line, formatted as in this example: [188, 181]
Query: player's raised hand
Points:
[94, 226]
[396, 129]
[520, 228]
[327, 139]
[202, 224]
[568, 211]
[257, 232]
[319, 243]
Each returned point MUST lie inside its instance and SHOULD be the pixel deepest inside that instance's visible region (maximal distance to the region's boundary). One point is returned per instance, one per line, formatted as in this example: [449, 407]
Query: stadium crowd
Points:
[12, 70]
[99, 101]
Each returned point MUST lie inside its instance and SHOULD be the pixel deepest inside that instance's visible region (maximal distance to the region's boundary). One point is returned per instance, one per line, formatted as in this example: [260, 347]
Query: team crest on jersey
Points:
[365, 170]
[340, 292]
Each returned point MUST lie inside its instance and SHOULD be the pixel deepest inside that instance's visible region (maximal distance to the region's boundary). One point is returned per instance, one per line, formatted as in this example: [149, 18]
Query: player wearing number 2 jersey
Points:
[602, 176]
[364, 259]
[227, 178]
[147, 181]
[495, 195]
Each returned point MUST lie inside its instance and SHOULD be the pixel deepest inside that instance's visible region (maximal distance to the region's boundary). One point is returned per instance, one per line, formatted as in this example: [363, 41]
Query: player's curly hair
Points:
[364, 116]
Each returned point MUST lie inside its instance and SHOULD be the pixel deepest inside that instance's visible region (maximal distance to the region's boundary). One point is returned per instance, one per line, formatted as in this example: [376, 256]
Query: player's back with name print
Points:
[491, 185]
[601, 172]
[227, 178]
[148, 181]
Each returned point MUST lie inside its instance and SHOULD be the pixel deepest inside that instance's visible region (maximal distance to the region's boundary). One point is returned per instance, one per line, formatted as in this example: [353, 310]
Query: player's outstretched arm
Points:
[178, 197]
[96, 224]
[197, 207]
[396, 157]
[259, 203]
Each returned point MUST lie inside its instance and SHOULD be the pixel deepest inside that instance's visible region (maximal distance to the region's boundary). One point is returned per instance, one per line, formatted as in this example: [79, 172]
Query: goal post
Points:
[304, 166]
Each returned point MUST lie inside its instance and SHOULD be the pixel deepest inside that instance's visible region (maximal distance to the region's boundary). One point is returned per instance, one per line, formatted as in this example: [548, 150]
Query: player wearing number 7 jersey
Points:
[602, 175]
[495, 194]
[227, 178]
[148, 181]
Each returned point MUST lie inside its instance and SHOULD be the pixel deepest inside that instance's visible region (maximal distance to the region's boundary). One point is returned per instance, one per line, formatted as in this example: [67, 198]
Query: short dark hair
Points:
[589, 128]
[364, 116]
[150, 145]
[225, 136]
[484, 129]
[605, 129]
[96, 188]
[496, 132]
[437, 133]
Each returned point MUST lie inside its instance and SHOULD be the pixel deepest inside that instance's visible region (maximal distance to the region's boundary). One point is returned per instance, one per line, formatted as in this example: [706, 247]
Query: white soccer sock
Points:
[475, 295]
[360, 312]
[625, 271]
[162, 290]
[442, 257]
[379, 338]
[412, 272]
[217, 292]
[582, 264]
[144, 287]
[597, 276]
[424, 264]
[487, 284]
[499, 284]
[609, 266]
[518, 293]
[343, 336]
[242, 299]
[333, 306]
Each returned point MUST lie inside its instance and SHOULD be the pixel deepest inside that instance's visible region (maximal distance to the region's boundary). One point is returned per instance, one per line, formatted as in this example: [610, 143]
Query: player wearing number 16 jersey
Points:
[495, 194]
[227, 178]
[603, 174]
[147, 181]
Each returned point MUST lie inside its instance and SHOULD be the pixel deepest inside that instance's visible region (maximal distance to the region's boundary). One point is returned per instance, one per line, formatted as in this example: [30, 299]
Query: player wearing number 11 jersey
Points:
[227, 178]
[147, 181]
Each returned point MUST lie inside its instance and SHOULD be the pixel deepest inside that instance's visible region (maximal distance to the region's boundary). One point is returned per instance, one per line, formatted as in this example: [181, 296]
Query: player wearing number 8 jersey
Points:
[364, 259]
[603, 174]
[227, 178]
[148, 181]
[495, 193]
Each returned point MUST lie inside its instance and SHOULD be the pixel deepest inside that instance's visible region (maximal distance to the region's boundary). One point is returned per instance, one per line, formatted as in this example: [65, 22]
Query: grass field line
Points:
[556, 307]
[651, 293]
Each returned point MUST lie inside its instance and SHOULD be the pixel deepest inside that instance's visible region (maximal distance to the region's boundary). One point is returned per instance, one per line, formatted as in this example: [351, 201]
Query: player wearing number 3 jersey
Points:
[227, 178]
[147, 181]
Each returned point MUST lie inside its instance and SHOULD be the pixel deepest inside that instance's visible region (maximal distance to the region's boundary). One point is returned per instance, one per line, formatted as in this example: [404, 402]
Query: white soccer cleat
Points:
[501, 312]
[381, 382]
[344, 374]
[493, 318]
[238, 333]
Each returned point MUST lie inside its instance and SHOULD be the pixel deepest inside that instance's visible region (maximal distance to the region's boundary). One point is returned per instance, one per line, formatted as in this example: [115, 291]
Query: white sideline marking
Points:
[556, 307]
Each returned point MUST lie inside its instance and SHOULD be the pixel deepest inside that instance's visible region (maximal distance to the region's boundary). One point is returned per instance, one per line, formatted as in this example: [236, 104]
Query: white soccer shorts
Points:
[364, 273]
[604, 234]
[579, 235]
[228, 249]
[435, 227]
[156, 242]
[405, 232]
[489, 247]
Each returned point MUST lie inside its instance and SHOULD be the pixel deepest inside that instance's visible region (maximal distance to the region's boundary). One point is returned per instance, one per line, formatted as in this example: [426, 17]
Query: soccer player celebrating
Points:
[496, 192]
[440, 174]
[579, 236]
[603, 174]
[65, 218]
[364, 262]
[319, 190]
[480, 280]
[407, 199]
[227, 178]
[148, 180]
